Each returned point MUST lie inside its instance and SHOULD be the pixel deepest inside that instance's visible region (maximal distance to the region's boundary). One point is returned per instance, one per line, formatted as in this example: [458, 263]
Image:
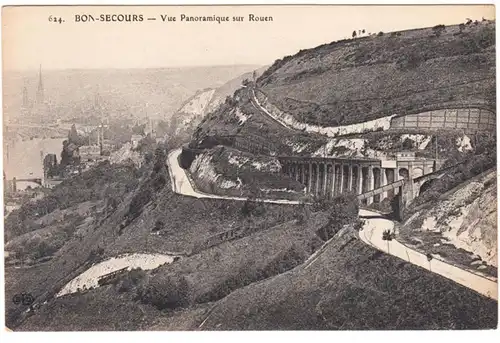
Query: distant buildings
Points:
[89, 153]
[38, 108]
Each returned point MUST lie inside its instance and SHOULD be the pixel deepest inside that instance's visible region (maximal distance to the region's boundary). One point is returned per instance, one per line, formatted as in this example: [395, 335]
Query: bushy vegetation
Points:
[154, 183]
[246, 276]
[352, 286]
[171, 294]
[255, 177]
[342, 209]
[99, 183]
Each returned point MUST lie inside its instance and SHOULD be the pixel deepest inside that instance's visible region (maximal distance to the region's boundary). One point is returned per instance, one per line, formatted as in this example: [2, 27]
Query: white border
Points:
[248, 336]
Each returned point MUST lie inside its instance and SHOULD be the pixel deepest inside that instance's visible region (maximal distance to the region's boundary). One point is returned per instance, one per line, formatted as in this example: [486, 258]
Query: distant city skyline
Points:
[29, 39]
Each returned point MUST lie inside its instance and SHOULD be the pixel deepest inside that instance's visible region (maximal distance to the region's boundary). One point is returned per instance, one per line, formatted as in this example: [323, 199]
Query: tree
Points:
[354, 34]
[73, 134]
[342, 210]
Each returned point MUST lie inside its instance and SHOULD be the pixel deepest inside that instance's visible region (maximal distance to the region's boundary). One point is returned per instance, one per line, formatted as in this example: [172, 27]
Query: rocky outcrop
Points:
[466, 217]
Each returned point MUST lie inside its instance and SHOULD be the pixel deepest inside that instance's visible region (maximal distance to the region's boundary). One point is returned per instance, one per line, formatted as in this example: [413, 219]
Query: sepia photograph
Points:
[249, 167]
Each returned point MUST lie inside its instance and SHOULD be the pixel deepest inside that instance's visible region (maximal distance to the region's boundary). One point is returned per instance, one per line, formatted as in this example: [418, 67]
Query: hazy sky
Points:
[29, 39]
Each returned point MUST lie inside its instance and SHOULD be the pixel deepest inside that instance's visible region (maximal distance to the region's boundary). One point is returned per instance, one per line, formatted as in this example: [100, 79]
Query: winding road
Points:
[371, 234]
[181, 184]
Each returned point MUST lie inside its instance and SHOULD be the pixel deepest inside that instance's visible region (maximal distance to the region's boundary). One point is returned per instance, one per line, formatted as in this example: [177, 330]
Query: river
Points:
[24, 158]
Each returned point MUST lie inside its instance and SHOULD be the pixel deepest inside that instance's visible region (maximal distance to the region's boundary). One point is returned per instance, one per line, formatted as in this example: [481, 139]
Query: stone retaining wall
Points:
[470, 120]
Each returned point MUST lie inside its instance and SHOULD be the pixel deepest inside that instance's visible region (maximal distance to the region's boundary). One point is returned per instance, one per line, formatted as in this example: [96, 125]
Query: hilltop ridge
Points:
[402, 72]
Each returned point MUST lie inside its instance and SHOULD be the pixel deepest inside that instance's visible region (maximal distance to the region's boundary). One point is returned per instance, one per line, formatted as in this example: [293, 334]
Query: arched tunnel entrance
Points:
[365, 183]
[417, 172]
[300, 171]
[329, 174]
[345, 178]
[404, 174]
[355, 180]
[338, 179]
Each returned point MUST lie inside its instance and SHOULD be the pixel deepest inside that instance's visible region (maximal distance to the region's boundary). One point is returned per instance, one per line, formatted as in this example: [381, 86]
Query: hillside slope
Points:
[358, 80]
[410, 71]
[460, 225]
[351, 286]
[204, 101]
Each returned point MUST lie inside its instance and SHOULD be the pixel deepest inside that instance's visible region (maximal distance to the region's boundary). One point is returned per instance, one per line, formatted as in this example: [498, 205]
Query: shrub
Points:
[159, 224]
[342, 210]
[438, 30]
[380, 34]
[410, 60]
[171, 294]
[303, 213]
[130, 280]
[43, 249]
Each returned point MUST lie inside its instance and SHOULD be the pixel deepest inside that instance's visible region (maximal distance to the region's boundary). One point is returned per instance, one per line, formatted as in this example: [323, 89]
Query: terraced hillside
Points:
[360, 84]
[411, 71]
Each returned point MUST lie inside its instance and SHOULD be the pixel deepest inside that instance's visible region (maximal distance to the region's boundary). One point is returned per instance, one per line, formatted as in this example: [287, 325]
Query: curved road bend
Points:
[371, 234]
[182, 185]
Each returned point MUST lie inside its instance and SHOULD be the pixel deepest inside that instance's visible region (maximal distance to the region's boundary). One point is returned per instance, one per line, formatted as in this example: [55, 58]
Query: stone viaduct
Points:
[328, 177]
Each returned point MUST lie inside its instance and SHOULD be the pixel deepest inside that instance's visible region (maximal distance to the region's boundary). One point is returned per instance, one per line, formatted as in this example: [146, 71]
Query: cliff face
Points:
[191, 112]
[465, 217]
[228, 171]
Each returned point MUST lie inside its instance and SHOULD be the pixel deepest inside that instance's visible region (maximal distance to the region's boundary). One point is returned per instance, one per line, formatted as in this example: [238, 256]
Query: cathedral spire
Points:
[25, 97]
[39, 92]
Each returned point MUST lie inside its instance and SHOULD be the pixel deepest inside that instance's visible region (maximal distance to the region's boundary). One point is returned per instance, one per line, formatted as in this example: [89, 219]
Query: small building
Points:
[89, 153]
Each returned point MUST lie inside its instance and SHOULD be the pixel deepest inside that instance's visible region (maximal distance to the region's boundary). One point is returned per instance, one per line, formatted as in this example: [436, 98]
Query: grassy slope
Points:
[356, 80]
[222, 127]
[186, 222]
[350, 286]
[353, 286]
[217, 269]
